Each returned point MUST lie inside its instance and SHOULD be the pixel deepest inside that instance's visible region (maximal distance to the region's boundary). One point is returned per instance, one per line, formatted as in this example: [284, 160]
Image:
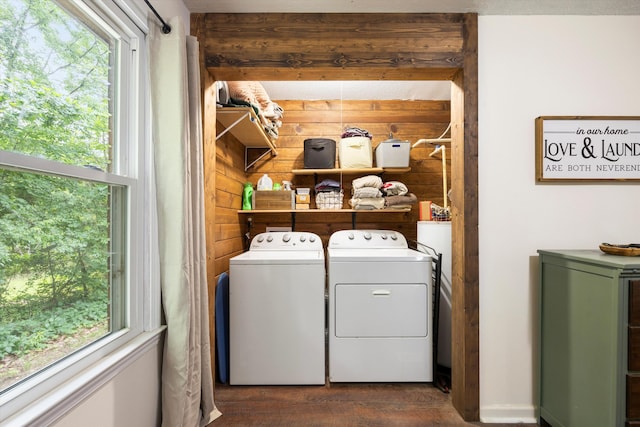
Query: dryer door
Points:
[392, 310]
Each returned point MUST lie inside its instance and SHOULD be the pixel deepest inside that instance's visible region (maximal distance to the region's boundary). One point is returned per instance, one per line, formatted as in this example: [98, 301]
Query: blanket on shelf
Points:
[400, 202]
[253, 94]
[370, 193]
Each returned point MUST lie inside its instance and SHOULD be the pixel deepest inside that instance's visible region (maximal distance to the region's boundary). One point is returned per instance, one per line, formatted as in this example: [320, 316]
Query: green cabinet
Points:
[588, 351]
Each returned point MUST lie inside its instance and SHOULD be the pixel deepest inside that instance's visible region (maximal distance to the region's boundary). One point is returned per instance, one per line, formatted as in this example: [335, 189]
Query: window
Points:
[73, 177]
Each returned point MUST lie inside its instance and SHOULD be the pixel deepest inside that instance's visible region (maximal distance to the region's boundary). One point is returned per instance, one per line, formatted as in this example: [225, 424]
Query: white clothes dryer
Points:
[380, 308]
[277, 311]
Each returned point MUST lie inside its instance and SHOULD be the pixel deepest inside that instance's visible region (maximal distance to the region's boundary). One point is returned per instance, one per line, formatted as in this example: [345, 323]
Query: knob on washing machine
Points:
[383, 236]
[351, 236]
[269, 238]
[394, 237]
[286, 238]
[260, 238]
[312, 239]
[367, 235]
[303, 238]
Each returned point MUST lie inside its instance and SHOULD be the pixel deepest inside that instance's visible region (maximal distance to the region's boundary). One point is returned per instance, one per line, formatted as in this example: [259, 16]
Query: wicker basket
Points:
[329, 199]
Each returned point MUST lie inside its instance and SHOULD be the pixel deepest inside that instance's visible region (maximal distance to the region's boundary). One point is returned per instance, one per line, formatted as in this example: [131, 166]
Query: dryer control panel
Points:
[367, 239]
[286, 240]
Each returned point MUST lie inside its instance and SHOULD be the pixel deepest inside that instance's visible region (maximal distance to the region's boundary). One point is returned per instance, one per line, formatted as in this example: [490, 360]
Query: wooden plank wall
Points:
[369, 46]
[330, 46]
[407, 120]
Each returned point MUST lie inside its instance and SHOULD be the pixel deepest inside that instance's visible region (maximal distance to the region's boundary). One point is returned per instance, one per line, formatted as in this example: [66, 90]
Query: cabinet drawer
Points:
[634, 302]
[633, 396]
[633, 355]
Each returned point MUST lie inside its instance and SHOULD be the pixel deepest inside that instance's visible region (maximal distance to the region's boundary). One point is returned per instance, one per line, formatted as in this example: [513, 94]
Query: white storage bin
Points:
[393, 153]
[355, 153]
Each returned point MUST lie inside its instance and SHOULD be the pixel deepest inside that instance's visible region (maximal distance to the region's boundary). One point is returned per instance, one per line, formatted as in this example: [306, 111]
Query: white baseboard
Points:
[508, 414]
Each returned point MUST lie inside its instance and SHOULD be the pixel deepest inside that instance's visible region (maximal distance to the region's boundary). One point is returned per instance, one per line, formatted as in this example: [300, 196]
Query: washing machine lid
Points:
[300, 257]
[376, 255]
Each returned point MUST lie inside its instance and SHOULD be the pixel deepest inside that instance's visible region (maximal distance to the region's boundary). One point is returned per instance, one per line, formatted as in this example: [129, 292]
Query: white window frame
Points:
[49, 394]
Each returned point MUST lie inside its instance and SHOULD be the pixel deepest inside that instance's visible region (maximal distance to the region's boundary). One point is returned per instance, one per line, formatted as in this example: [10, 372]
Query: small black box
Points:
[319, 153]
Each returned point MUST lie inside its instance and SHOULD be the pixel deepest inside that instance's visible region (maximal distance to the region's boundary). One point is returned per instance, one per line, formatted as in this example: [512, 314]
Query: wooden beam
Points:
[465, 292]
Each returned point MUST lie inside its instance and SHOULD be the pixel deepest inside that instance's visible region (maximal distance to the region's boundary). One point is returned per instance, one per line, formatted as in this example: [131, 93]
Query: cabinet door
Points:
[580, 342]
[634, 302]
[633, 355]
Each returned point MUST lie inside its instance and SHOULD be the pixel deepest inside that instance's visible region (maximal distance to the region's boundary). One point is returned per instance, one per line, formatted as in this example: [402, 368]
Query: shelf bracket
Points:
[293, 221]
[232, 125]
[246, 157]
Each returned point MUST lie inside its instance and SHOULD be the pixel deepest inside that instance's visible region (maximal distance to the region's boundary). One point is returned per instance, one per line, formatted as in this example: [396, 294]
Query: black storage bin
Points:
[319, 153]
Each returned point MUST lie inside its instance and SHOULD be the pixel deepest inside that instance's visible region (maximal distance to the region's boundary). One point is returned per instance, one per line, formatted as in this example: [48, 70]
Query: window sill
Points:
[63, 399]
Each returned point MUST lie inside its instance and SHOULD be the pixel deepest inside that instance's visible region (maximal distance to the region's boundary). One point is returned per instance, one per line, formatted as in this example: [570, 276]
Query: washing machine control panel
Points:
[286, 240]
[360, 239]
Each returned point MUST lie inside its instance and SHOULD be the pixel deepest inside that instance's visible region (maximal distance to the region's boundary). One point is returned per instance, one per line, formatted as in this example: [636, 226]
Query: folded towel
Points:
[367, 181]
[409, 199]
[366, 192]
[394, 188]
[367, 203]
[327, 185]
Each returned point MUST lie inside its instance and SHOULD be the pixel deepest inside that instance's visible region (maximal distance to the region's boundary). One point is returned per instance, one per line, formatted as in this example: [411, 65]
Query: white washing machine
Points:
[277, 311]
[380, 308]
[437, 235]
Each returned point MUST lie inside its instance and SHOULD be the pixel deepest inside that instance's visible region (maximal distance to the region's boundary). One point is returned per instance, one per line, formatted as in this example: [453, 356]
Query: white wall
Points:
[129, 400]
[531, 66]
[170, 8]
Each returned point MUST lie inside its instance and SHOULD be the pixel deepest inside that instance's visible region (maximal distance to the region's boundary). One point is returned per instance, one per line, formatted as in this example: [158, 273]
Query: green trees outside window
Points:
[58, 256]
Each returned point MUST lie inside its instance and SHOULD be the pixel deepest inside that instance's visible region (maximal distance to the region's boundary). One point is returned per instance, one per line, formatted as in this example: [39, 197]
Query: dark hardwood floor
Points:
[337, 405]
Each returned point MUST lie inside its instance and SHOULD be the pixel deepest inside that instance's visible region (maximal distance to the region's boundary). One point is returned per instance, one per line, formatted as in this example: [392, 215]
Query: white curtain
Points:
[187, 384]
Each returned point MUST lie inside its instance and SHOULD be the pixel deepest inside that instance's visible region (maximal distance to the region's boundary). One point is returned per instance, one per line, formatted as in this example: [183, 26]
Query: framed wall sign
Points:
[587, 148]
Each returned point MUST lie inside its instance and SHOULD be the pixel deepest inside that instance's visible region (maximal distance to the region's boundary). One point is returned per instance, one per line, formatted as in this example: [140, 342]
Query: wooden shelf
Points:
[276, 211]
[353, 212]
[244, 124]
[349, 171]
